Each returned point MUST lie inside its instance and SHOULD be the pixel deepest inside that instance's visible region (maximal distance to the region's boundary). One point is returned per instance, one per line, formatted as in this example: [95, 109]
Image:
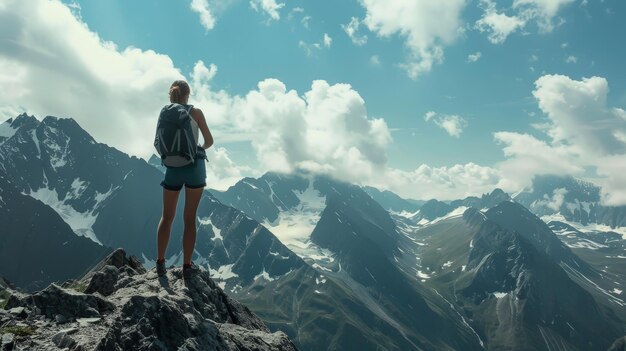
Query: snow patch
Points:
[206, 221]
[422, 275]
[224, 272]
[80, 222]
[294, 226]
[590, 228]
[500, 295]
[264, 275]
[6, 130]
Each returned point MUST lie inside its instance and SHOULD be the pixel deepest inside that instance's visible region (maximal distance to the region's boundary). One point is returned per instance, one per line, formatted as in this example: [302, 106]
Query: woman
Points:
[193, 177]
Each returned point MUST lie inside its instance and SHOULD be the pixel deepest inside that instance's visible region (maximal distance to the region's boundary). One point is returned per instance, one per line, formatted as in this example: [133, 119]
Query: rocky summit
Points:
[119, 305]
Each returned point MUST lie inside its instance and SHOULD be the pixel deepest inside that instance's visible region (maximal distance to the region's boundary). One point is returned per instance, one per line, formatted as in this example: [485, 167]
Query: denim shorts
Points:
[192, 176]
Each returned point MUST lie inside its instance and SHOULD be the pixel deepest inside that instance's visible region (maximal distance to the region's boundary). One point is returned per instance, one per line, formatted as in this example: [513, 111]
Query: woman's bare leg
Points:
[192, 199]
[170, 199]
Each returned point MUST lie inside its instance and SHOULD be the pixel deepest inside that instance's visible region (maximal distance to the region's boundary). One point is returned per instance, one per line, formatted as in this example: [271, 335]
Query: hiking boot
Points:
[190, 271]
[160, 268]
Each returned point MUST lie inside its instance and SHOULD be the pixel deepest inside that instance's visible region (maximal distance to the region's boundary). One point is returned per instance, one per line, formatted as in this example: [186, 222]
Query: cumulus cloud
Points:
[571, 59]
[474, 57]
[206, 16]
[352, 30]
[583, 133]
[498, 25]
[442, 183]
[543, 12]
[426, 27]
[452, 124]
[270, 7]
[327, 130]
[52, 64]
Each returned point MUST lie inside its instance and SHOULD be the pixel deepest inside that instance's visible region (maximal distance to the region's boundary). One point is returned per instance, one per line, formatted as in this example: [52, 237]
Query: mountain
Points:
[434, 209]
[392, 202]
[571, 200]
[119, 305]
[115, 200]
[485, 201]
[36, 246]
[323, 261]
[507, 285]
[353, 243]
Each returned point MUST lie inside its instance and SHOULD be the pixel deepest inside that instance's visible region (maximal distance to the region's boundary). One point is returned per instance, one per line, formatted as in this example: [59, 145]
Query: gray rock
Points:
[85, 322]
[55, 300]
[19, 312]
[144, 312]
[63, 340]
[103, 281]
[7, 342]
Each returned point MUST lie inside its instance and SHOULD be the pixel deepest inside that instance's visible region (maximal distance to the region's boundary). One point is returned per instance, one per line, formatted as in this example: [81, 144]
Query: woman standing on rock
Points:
[177, 143]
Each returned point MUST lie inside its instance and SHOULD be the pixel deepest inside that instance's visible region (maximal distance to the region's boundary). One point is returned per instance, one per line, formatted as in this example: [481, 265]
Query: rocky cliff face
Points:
[119, 305]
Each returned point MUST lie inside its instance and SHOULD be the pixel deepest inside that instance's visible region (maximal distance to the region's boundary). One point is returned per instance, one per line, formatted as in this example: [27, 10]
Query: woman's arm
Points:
[198, 116]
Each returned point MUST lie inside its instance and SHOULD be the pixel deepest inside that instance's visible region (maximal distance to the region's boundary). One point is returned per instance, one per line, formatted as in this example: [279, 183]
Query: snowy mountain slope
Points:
[573, 201]
[352, 241]
[514, 295]
[36, 246]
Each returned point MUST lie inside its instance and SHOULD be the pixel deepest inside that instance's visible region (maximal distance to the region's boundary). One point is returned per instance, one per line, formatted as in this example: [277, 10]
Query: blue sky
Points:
[492, 94]
[467, 102]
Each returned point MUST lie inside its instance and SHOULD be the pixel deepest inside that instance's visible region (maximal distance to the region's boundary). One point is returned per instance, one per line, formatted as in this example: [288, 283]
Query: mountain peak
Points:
[119, 305]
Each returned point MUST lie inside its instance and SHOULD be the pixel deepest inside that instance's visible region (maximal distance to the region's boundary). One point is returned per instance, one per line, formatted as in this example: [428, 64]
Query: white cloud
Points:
[442, 183]
[310, 49]
[426, 27]
[270, 7]
[452, 124]
[375, 60]
[206, 16]
[56, 66]
[584, 133]
[579, 113]
[327, 40]
[571, 59]
[474, 57]
[498, 25]
[326, 130]
[222, 172]
[555, 201]
[352, 30]
[542, 12]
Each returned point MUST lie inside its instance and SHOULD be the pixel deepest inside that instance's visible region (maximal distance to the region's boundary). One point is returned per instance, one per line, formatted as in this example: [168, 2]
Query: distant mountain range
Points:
[332, 264]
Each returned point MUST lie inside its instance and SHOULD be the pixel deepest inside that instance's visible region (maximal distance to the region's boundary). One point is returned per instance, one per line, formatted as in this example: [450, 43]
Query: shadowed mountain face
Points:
[510, 287]
[544, 307]
[353, 244]
[36, 246]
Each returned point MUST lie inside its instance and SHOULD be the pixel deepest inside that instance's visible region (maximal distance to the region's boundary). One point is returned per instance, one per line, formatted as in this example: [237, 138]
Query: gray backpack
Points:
[174, 140]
